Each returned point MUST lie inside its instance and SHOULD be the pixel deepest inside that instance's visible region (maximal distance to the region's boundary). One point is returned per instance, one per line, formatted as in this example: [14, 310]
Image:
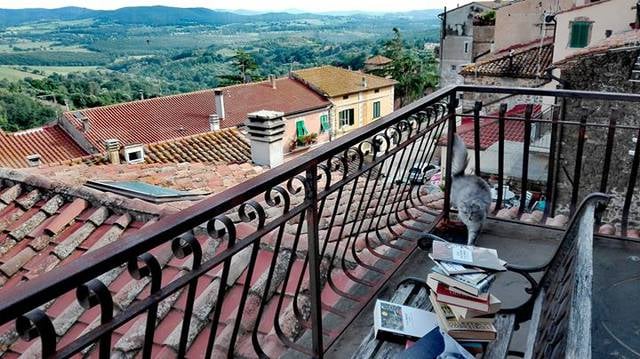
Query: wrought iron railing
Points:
[288, 259]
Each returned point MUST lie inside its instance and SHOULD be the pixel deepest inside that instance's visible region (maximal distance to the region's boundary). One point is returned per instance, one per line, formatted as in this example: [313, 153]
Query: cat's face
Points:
[473, 211]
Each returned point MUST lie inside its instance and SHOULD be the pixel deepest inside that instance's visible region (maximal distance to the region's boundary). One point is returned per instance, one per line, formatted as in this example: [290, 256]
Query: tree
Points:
[415, 70]
[245, 69]
[19, 111]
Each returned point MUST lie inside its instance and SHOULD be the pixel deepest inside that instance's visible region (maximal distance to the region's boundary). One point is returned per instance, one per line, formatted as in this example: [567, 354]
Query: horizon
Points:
[248, 5]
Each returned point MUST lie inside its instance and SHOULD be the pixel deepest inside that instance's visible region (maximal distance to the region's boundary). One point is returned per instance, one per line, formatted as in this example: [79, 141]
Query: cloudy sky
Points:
[273, 5]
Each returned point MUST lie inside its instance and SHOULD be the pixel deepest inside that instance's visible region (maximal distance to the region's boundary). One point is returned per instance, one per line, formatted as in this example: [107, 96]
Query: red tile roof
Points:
[50, 142]
[43, 226]
[226, 146]
[378, 60]
[524, 62]
[201, 177]
[168, 117]
[489, 129]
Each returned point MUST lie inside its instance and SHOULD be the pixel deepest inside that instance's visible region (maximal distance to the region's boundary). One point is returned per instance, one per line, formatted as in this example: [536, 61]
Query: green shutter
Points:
[579, 34]
[376, 109]
[324, 123]
[300, 129]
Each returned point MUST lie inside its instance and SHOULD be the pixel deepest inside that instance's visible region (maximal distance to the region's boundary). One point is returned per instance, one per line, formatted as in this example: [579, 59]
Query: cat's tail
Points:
[460, 158]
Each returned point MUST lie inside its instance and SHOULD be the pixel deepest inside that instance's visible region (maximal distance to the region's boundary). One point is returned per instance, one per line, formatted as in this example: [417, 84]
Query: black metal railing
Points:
[288, 259]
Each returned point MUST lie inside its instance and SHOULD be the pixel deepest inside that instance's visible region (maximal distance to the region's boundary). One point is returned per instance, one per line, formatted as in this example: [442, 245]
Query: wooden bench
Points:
[559, 308]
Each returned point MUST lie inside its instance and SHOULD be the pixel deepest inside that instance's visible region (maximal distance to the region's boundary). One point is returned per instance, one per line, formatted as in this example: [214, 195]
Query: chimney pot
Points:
[113, 150]
[214, 122]
[266, 131]
[86, 125]
[272, 79]
[219, 98]
[364, 82]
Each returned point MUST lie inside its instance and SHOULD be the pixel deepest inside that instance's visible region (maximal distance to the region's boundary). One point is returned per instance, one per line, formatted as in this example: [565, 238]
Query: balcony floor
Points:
[617, 273]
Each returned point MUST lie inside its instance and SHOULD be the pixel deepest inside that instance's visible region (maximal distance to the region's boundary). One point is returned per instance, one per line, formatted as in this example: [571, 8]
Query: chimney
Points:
[34, 160]
[113, 150]
[86, 125]
[364, 82]
[219, 103]
[266, 131]
[214, 122]
[272, 80]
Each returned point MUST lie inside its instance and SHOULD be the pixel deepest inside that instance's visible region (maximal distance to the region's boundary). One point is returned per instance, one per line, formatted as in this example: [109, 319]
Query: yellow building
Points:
[357, 98]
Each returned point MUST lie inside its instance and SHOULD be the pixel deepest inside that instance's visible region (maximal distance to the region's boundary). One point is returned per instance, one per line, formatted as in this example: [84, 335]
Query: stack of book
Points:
[460, 291]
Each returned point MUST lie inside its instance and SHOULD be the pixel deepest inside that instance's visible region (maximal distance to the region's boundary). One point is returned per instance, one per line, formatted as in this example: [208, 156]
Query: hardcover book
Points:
[486, 258]
[446, 295]
[475, 284]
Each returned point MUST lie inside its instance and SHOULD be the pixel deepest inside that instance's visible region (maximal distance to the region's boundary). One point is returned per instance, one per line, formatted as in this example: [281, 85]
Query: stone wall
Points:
[488, 98]
[605, 72]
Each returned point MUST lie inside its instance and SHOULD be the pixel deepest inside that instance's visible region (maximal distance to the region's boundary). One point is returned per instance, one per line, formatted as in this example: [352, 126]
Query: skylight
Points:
[145, 191]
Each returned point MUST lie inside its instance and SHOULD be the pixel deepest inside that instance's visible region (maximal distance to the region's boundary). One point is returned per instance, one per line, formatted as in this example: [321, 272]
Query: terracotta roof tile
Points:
[168, 117]
[525, 62]
[50, 142]
[489, 128]
[335, 81]
[378, 60]
[70, 320]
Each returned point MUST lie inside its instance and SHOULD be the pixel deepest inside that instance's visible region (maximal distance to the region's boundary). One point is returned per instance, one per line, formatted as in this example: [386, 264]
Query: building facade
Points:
[591, 22]
[521, 22]
[357, 98]
[462, 42]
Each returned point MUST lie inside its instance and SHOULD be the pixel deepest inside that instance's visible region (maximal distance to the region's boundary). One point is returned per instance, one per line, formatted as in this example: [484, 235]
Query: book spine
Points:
[483, 286]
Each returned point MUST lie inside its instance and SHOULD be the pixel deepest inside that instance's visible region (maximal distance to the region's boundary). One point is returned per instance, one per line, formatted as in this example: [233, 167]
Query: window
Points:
[134, 154]
[345, 97]
[346, 117]
[301, 130]
[324, 124]
[580, 34]
[453, 67]
[376, 90]
[145, 191]
[466, 47]
[376, 109]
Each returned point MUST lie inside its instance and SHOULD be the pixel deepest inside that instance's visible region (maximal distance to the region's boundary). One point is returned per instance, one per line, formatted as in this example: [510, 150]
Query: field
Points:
[12, 74]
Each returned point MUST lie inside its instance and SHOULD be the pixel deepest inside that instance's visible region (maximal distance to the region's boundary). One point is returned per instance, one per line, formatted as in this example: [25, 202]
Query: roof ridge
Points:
[146, 100]
[95, 197]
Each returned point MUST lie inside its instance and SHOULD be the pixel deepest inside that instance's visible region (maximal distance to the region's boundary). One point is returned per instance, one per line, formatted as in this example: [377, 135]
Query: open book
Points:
[394, 320]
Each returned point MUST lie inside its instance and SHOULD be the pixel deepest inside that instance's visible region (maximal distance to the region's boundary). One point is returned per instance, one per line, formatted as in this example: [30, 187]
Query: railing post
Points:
[314, 261]
[451, 130]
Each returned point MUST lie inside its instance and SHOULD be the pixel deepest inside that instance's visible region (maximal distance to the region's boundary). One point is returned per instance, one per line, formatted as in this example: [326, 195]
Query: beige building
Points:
[522, 22]
[591, 22]
[357, 98]
[464, 39]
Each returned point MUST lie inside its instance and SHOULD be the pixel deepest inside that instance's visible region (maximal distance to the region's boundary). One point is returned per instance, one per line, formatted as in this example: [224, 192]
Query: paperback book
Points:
[472, 256]
[393, 321]
[476, 330]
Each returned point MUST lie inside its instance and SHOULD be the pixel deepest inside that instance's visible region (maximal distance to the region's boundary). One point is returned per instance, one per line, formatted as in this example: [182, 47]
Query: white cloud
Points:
[273, 5]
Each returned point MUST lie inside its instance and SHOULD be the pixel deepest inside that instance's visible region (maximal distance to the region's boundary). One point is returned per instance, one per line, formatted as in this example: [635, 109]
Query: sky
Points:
[260, 5]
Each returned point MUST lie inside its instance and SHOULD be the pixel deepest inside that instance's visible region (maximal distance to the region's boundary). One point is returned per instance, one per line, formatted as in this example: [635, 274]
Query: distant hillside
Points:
[12, 17]
[166, 16]
[142, 15]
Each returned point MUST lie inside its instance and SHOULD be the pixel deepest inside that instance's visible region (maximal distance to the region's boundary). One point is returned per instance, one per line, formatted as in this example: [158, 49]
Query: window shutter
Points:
[324, 123]
[579, 34]
[300, 129]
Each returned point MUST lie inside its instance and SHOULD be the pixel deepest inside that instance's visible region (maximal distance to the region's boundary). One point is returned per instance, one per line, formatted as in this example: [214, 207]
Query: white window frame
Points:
[132, 149]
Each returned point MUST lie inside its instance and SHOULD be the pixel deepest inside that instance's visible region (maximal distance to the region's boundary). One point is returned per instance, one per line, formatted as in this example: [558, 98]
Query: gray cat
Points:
[470, 194]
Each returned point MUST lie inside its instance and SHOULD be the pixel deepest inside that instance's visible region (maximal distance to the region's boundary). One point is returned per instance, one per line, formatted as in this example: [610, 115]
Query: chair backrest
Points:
[561, 323]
